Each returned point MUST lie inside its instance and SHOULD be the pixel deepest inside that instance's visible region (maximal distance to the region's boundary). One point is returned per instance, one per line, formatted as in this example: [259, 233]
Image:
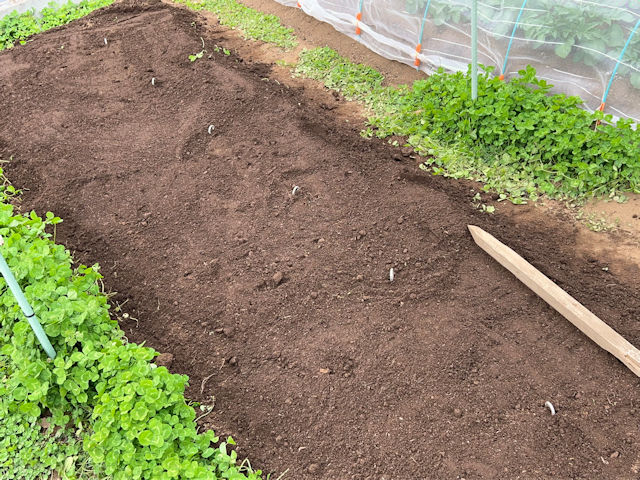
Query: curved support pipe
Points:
[359, 18]
[513, 33]
[615, 69]
[419, 46]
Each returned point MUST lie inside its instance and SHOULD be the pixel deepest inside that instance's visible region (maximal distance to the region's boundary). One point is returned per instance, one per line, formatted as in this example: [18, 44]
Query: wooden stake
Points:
[565, 304]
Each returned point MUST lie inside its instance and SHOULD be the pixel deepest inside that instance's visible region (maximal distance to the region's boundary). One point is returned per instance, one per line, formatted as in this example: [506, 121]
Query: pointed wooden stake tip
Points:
[476, 232]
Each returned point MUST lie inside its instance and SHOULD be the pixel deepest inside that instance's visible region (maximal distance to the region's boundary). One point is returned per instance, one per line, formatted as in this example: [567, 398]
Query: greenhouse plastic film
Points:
[584, 48]
[20, 6]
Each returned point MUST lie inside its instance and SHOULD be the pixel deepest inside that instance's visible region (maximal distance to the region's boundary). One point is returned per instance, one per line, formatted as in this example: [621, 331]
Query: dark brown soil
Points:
[330, 371]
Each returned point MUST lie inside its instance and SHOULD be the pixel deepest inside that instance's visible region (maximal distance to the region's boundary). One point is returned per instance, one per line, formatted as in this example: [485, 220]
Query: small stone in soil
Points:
[313, 468]
[233, 361]
[228, 331]
[277, 278]
[314, 295]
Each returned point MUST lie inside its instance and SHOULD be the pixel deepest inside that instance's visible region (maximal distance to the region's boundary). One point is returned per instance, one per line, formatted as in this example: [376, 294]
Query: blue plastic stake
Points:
[419, 46]
[359, 17]
[424, 19]
[513, 33]
[615, 69]
[26, 308]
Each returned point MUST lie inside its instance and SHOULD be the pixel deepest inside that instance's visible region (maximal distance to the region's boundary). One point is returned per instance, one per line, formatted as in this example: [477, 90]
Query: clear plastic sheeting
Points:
[21, 6]
[585, 48]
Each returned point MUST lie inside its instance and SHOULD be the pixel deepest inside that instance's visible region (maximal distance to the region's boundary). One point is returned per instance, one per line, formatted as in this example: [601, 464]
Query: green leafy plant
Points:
[196, 56]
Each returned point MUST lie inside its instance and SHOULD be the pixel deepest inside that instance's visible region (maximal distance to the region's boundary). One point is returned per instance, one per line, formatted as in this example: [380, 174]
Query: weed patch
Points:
[253, 24]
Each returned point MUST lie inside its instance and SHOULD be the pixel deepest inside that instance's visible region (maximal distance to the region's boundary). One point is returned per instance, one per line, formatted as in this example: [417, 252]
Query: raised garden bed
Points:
[279, 305]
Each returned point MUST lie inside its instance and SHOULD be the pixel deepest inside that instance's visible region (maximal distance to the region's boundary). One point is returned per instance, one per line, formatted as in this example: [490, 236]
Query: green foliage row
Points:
[132, 415]
[17, 27]
[254, 25]
[516, 138]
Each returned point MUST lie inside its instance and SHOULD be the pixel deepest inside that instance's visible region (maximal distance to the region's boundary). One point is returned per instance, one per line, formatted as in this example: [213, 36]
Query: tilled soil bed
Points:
[280, 305]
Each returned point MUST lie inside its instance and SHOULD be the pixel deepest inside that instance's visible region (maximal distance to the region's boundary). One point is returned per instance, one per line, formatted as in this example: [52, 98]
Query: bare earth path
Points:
[317, 362]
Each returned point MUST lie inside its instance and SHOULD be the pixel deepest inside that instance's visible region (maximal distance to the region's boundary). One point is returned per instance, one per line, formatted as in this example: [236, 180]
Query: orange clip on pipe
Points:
[358, 18]
[418, 50]
[600, 108]
[501, 77]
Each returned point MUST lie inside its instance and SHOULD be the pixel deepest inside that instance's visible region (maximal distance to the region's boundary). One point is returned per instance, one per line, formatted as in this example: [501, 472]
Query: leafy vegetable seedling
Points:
[198, 55]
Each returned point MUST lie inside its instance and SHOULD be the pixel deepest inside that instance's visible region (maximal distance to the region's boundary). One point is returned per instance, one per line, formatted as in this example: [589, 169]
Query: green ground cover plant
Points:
[17, 27]
[102, 398]
[254, 25]
[31, 450]
[516, 138]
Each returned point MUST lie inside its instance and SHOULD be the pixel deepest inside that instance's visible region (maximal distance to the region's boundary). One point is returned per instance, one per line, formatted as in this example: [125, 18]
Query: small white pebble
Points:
[391, 275]
[211, 129]
[105, 40]
[295, 189]
[153, 80]
[549, 405]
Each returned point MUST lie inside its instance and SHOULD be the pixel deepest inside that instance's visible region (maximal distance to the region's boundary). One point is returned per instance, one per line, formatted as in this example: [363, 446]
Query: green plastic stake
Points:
[474, 49]
[24, 305]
